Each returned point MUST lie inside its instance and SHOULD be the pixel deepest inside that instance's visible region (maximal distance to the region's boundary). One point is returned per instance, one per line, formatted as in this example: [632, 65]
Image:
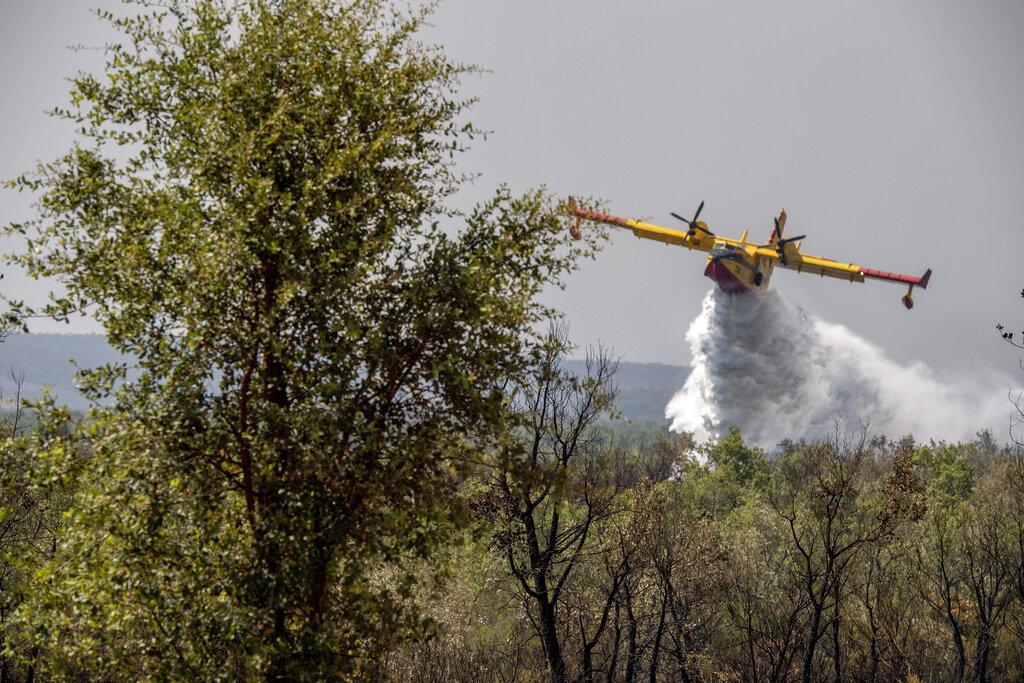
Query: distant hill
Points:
[50, 360]
[45, 360]
[644, 388]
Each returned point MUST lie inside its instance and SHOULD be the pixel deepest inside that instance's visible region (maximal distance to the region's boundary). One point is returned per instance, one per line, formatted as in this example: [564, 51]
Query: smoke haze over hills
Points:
[44, 360]
[759, 361]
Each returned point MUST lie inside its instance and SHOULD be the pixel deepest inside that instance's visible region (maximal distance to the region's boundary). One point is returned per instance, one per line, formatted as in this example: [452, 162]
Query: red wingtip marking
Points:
[921, 282]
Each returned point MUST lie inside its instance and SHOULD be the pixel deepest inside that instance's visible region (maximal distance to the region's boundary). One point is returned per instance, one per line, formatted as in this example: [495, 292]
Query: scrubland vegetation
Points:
[851, 558]
[570, 555]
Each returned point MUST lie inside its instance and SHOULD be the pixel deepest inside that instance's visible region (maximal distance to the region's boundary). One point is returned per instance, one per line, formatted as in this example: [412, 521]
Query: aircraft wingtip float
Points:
[742, 266]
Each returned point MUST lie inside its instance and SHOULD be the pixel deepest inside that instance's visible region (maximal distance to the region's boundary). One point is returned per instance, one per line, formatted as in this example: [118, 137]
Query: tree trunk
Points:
[552, 648]
[30, 675]
[5, 675]
[982, 655]
[751, 655]
[656, 648]
[613, 662]
[631, 655]
[588, 665]
[958, 643]
[812, 645]
[836, 655]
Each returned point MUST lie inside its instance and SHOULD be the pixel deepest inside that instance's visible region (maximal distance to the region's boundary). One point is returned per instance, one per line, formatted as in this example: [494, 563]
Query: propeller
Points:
[780, 244]
[692, 222]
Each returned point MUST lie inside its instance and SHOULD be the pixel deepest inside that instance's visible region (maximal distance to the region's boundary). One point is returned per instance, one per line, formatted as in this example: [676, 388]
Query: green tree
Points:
[732, 472]
[967, 562]
[947, 475]
[833, 517]
[257, 213]
[735, 460]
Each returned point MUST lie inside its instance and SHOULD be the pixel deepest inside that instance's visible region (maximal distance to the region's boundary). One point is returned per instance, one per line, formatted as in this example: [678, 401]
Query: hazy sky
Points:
[892, 134]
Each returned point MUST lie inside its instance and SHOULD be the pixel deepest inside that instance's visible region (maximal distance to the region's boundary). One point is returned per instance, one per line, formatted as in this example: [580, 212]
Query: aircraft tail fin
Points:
[780, 223]
[923, 284]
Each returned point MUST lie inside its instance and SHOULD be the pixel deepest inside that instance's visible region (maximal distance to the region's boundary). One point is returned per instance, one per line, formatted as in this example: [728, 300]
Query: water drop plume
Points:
[763, 363]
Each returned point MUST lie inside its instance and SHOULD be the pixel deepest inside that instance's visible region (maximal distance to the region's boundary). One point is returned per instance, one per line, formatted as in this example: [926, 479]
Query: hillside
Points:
[644, 388]
[50, 360]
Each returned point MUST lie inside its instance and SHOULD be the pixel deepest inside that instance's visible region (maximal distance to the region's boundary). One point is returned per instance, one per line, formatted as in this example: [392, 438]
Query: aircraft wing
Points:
[690, 240]
[790, 257]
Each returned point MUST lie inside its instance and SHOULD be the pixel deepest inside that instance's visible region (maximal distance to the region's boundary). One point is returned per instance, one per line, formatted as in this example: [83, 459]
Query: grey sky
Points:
[890, 132]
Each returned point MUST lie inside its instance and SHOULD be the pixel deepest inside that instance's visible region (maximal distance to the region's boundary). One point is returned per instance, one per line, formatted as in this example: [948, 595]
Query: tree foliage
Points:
[257, 212]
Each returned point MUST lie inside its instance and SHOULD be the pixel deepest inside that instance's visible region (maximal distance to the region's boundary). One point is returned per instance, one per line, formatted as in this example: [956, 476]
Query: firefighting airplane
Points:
[742, 266]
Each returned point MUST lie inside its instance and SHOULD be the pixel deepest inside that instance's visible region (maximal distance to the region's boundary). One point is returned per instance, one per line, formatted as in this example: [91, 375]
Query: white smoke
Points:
[764, 364]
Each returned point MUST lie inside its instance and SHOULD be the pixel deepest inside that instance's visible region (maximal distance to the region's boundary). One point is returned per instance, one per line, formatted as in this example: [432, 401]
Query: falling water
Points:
[763, 363]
